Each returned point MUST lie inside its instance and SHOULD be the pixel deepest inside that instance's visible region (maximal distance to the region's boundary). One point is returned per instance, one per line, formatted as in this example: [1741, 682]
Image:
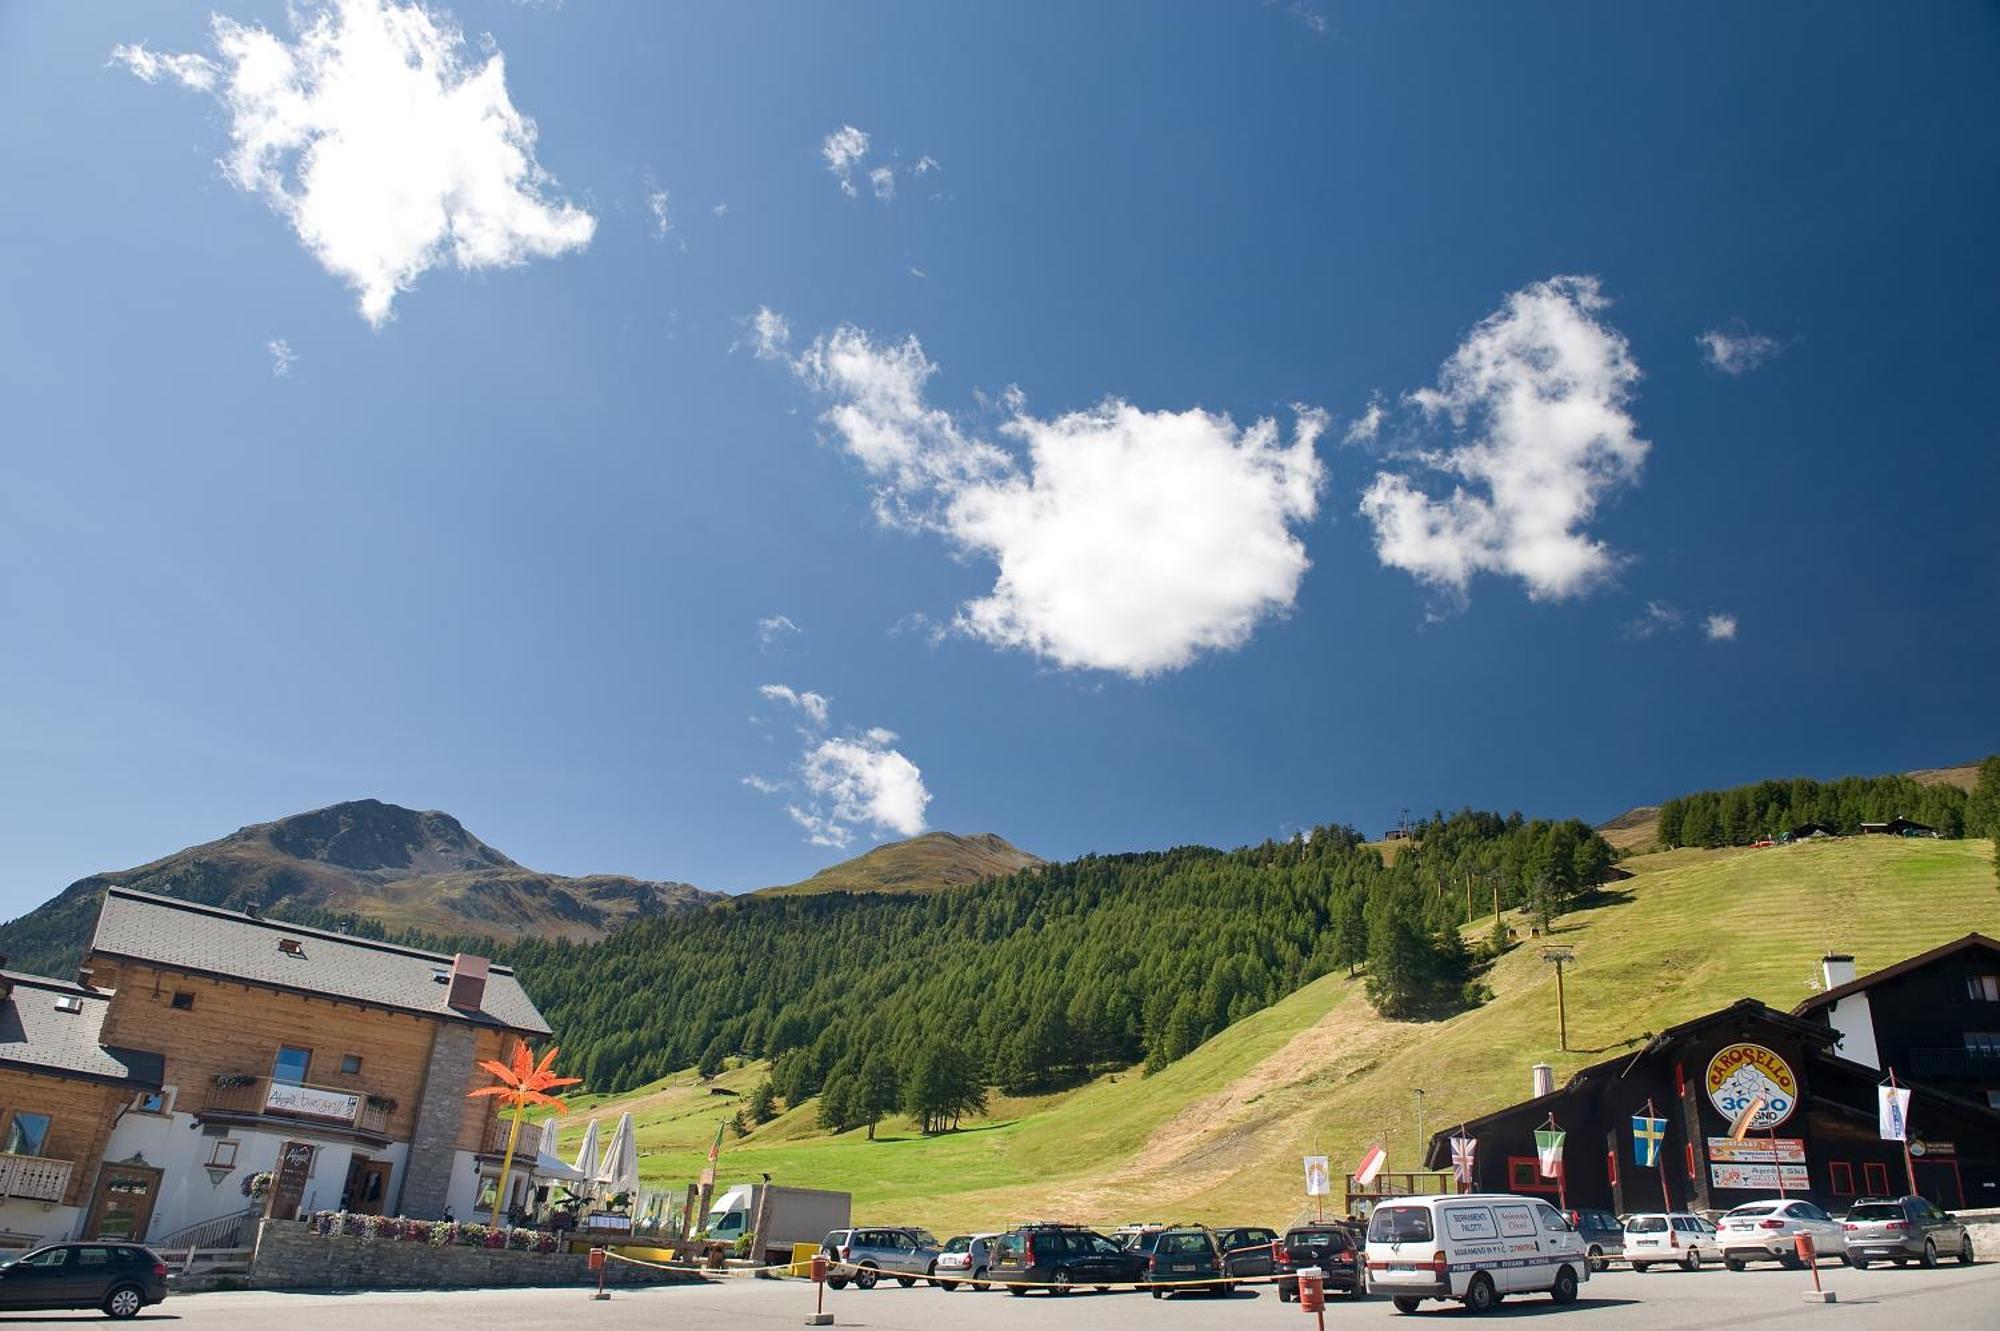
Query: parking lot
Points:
[1947, 1297]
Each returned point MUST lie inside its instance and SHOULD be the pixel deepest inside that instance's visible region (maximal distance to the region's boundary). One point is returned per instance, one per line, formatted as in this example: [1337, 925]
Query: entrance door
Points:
[123, 1206]
[367, 1186]
[1937, 1183]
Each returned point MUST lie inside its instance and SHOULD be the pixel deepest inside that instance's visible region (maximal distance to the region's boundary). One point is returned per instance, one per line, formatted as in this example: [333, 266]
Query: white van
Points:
[1476, 1247]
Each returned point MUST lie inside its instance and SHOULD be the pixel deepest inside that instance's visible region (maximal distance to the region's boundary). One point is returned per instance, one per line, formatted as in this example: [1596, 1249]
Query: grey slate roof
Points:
[37, 1035]
[180, 935]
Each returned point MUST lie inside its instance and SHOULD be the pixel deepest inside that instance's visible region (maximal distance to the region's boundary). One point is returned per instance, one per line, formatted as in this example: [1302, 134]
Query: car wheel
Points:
[1406, 1304]
[1564, 1290]
[947, 1285]
[1790, 1261]
[124, 1301]
[836, 1282]
[1692, 1261]
[1930, 1254]
[1062, 1282]
[1858, 1263]
[866, 1277]
[1480, 1296]
[979, 1279]
[1965, 1250]
[907, 1282]
[1732, 1263]
[1640, 1268]
[1597, 1262]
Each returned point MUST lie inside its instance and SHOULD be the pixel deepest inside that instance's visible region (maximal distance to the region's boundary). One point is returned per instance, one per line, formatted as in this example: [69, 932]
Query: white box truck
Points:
[797, 1215]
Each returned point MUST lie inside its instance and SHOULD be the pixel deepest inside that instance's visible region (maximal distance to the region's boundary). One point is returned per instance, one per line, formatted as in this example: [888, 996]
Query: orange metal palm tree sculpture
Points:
[525, 1083]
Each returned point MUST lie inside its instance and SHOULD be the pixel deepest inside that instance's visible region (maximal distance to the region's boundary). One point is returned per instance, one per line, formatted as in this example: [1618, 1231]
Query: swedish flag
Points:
[1647, 1134]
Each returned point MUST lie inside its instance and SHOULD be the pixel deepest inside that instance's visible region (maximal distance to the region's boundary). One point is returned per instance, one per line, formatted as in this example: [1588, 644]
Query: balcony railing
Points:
[34, 1177]
[494, 1142]
[1959, 1062]
[264, 1097]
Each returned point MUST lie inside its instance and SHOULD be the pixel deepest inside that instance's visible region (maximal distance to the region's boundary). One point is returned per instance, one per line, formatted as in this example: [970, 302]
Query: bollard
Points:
[596, 1262]
[1802, 1243]
[1312, 1293]
[820, 1317]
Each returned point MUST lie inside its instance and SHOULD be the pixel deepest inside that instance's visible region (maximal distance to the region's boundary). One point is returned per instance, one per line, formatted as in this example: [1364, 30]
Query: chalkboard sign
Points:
[295, 1163]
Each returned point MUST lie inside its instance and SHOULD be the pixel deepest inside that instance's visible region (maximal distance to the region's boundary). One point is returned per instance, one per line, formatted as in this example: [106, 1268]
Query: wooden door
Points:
[368, 1186]
[123, 1206]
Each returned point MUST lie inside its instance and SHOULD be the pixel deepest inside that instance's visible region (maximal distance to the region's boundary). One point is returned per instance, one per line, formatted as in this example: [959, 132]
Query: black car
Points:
[1248, 1250]
[1329, 1247]
[1187, 1260]
[1062, 1258]
[120, 1278]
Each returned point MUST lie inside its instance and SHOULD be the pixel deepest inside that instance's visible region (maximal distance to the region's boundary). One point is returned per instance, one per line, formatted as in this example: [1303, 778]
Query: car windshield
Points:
[1647, 1224]
[963, 1243]
[1333, 1239]
[1876, 1211]
[1752, 1210]
[1178, 1244]
[1400, 1224]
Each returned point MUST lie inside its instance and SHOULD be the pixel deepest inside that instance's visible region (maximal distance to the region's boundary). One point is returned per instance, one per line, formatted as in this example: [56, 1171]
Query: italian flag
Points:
[1549, 1150]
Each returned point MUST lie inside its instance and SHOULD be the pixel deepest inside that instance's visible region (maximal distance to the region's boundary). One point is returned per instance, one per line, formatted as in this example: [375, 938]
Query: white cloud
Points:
[1737, 351]
[773, 627]
[1536, 399]
[883, 181]
[843, 150]
[385, 151]
[1125, 540]
[1660, 617]
[1368, 425]
[814, 705]
[720, 210]
[282, 356]
[849, 781]
[660, 204]
[770, 335]
[925, 165]
[1720, 627]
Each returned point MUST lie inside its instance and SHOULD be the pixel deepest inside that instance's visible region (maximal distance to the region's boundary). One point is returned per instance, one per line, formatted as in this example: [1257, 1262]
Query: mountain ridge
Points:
[927, 862]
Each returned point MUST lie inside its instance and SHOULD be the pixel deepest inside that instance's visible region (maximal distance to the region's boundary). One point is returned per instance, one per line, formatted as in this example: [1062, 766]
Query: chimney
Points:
[468, 983]
[83, 976]
[1544, 1079]
[1836, 969]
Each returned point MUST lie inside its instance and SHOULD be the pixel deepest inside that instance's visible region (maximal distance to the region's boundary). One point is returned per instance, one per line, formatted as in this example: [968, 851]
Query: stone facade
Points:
[427, 1177]
[290, 1256]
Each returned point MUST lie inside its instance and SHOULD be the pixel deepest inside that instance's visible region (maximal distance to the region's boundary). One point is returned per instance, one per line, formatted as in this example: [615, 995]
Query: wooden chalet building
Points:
[240, 1038]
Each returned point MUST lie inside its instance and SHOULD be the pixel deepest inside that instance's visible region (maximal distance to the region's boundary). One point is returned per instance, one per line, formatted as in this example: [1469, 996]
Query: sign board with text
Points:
[311, 1102]
[1757, 1151]
[1759, 1177]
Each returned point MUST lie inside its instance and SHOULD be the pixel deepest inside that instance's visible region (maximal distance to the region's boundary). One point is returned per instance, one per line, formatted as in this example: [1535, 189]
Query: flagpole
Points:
[1909, 1164]
[1777, 1167]
[1660, 1156]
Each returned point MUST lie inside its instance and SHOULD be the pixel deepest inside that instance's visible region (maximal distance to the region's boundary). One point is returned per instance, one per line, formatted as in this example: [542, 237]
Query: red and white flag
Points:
[1371, 1164]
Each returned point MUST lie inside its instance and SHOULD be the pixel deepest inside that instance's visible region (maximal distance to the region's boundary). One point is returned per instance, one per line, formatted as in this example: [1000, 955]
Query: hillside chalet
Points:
[198, 1044]
[1934, 1018]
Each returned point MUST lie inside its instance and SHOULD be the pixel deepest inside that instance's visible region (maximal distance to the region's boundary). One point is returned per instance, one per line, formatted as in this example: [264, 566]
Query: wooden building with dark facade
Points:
[1818, 1138]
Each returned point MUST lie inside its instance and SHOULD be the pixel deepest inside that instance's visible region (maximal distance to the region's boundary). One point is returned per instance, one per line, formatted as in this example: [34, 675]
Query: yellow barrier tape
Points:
[846, 1271]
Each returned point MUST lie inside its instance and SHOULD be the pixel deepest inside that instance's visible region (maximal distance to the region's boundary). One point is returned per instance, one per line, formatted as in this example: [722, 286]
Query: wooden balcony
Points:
[1961, 1062]
[345, 1112]
[34, 1177]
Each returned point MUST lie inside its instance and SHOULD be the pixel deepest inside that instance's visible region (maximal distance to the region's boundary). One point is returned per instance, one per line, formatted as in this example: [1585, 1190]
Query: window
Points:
[1983, 1043]
[1983, 988]
[1552, 1220]
[291, 1065]
[49, 1257]
[1993, 1099]
[27, 1134]
[1524, 1174]
[152, 1102]
[1876, 1178]
[183, 1000]
[350, 1064]
[93, 1256]
[1401, 1224]
[223, 1154]
[1843, 1178]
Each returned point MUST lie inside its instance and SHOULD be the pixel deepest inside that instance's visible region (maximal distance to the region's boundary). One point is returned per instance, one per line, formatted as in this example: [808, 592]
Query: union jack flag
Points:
[1462, 1149]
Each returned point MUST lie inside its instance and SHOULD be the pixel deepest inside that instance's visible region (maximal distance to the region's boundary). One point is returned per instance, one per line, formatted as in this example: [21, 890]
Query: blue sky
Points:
[500, 537]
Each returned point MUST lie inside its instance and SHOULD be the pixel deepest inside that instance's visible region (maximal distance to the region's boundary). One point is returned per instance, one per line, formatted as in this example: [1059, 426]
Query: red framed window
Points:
[1611, 1167]
[1842, 1177]
[1876, 1177]
[1689, 1148]
[1524, 1174]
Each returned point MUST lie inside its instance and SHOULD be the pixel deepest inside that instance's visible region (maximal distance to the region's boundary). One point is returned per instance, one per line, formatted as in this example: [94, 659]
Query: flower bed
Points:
[436, 1233]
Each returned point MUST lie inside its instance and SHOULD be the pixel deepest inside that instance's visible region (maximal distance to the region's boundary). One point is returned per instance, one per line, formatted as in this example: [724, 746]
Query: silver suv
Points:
[1903, 1229]
[866, 1255]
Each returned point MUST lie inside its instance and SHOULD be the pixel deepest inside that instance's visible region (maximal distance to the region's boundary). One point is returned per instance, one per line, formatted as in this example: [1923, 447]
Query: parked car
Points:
[1062, 1257]
[967, 1257]
[866, 1255]
[1603, 1237]
[120, 1278]
[1248, 1250]
[1903, 1230]
[1671, 1239]
[1329, 1247]
[1187, 1260]
[1132, 1232]
[1768, 1231]
[1476, 1248]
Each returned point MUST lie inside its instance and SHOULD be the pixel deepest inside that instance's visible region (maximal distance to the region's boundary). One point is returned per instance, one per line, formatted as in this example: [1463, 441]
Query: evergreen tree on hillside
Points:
[763, 1105]
[1982, 806]
[876, 1092]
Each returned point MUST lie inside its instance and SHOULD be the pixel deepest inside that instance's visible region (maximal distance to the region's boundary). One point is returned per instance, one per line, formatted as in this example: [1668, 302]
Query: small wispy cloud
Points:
[763, 785]
[843, 150]
[720, 210]
[1720, 627]
[660, 204]
[1737, 350]
[770, 334]
[846, 152]
[883, 181]
[1368, 425]
[771, 628]
[925, 165]
[1659, 617]
[282, 357]
[814, 705]
[1309, 16]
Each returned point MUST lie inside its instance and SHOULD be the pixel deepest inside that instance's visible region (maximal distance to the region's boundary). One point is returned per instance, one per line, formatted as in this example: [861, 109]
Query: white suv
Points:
[1768, 1231]
[1674, 1239]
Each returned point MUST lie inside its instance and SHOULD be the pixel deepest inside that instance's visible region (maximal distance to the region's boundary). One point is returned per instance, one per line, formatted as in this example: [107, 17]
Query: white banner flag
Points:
[1319, 1178]
[1894, 1104]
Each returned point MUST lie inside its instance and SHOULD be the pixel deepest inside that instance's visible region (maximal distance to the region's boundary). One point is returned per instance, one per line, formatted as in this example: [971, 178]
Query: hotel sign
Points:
[1740, 1072]
[311, 1102]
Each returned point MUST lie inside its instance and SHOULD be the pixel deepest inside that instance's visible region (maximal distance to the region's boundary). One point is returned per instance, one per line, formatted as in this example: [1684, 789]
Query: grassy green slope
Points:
[1217, 1135]
[923, 863]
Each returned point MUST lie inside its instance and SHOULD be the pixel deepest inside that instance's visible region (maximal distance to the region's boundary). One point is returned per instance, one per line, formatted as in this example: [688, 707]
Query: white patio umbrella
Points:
[618, 1171]
[586, 1160]
[550, 1165]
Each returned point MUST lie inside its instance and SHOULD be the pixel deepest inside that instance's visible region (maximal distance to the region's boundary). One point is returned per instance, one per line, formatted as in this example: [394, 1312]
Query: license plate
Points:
[1182, 1267]
[1402, 1270]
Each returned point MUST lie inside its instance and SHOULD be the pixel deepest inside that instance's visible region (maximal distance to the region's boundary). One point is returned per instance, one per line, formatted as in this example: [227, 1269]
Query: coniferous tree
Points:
[876, 1092]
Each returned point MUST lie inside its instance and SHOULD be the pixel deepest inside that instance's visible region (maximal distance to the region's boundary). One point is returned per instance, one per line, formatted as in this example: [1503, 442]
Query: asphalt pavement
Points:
[1911, 1298]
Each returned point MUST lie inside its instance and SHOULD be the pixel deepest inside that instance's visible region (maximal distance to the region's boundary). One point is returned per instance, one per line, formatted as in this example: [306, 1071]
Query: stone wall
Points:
[434, 1140]
[290, 1256]
[1984, 1226]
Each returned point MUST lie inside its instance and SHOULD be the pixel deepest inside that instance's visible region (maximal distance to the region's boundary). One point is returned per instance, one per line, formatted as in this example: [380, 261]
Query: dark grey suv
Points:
[119, 1278]
[1903, 1230]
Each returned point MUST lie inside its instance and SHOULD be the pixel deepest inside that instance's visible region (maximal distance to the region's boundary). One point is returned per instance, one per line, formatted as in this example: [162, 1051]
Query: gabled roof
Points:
[1904, 967]
[38, 1034]
[226, 944]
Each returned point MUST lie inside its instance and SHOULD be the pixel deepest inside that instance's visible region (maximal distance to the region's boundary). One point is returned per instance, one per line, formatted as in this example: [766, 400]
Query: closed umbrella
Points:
[618, 1171]
[550, 1165]
[586, 1161]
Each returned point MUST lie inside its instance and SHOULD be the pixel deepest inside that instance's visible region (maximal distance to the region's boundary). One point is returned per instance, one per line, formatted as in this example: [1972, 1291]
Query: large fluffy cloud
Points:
[1535, 402]
[845, 782]
[385, 150]
[1125, 540]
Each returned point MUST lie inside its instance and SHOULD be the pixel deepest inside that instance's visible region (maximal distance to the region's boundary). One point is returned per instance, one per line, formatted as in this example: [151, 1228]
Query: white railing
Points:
[188, 1262]
[224, 1231]
[34, 1177]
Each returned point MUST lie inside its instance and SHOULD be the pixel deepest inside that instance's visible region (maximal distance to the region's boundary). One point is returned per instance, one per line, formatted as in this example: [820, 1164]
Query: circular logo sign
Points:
[1740, 1072]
